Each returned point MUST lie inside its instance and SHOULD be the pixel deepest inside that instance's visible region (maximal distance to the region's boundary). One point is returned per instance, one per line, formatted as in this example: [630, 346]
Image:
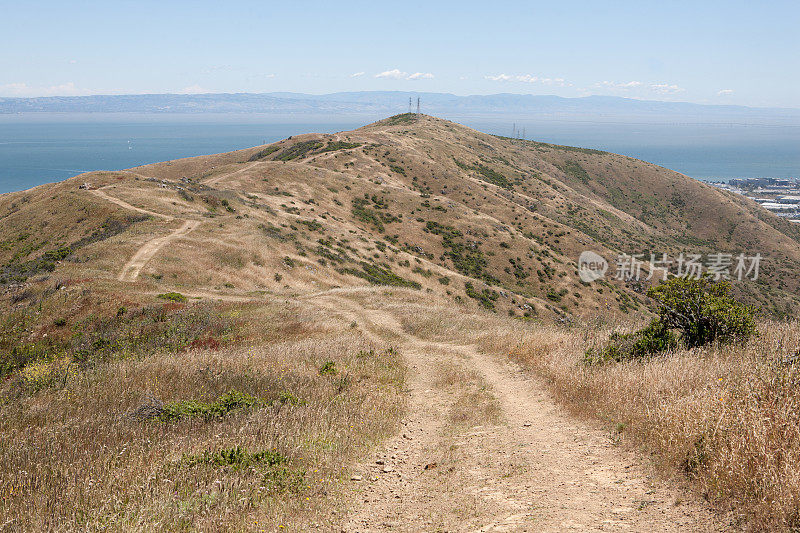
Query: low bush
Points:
[172, 297]
[693, 312]
[218, 408]
[655, 338]
[377, 275]
[236, 457]
[703, 311]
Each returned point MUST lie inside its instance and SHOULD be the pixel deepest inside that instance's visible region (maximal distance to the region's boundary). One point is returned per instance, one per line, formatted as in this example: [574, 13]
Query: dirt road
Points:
[101, 194]
[144, 254]
[537, 469]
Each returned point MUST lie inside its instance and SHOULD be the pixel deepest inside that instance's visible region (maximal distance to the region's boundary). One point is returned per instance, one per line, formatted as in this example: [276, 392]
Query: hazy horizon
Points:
[711, 52]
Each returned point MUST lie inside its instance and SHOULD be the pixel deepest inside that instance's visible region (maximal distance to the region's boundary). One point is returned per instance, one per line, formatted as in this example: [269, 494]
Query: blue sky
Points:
[710, 52]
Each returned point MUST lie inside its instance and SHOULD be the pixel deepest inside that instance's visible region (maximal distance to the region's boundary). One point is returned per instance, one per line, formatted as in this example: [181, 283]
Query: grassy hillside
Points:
[194, 324]
[413, 201]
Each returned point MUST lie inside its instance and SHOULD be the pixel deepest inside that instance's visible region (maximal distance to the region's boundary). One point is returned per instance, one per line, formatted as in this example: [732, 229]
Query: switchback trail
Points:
[537, 469]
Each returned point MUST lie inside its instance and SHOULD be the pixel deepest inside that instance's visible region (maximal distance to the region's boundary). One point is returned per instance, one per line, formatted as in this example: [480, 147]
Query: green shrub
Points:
[261, 154]
[703, 311]
[655, 338]
[485, 298]
[218, 408]
[328, 368]
[339, 145]
[235, 457]
[287, 398]
[404, 118]
[299, 150]
[700, 310]
[172, 296]
[377, 275]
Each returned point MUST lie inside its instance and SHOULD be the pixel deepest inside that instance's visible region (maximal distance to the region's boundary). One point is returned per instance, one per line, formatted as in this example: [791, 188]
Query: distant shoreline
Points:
[37, 148]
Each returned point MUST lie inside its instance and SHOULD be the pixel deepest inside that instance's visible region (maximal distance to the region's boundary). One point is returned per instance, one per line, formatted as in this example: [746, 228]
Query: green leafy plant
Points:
[654, 338]
[328, 368]
[172, 297]
[703, 311]
[218, 408]
[692, 312]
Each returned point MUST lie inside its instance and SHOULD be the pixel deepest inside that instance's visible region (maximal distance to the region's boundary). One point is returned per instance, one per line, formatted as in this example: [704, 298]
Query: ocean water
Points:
[43, 148]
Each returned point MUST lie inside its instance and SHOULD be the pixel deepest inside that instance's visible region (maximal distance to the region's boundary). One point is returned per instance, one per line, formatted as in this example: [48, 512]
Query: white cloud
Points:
[725, 92]
[528, 78]
[393, 74]
[396, 74]
[357, 74]
[25, 90]
[619, 85]
[14, 89]
[666, 88]
[193, 89]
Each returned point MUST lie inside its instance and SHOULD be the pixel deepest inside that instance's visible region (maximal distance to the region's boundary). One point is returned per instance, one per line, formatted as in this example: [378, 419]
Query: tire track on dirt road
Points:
[538, 470]
[101, 194]
[131, 270]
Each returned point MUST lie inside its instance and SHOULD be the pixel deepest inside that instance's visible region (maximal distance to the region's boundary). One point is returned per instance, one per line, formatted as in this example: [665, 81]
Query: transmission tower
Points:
[409, 104]
[418, 105]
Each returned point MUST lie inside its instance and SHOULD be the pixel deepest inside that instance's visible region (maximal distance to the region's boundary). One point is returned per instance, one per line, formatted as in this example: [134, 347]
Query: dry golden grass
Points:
[475, 405]
[73, 458]
[725, 418]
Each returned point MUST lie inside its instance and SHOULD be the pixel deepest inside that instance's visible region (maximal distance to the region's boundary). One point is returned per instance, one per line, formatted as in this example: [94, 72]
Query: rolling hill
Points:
[410, 201]
[384, 326]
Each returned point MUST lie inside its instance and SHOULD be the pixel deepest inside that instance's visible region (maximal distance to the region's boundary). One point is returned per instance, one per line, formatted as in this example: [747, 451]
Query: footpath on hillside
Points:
[529, 468]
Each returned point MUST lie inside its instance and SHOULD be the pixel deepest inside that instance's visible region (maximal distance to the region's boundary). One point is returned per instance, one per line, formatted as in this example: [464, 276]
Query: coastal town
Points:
[781, 196]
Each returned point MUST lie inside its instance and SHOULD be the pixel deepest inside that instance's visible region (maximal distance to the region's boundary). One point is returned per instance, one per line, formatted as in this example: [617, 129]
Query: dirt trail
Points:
[213, 181]
[99, 193]
[144, 254]
[538, 470]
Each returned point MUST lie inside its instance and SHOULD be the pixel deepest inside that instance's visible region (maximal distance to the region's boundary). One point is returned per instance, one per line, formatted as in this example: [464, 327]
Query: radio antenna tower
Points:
[417, 105]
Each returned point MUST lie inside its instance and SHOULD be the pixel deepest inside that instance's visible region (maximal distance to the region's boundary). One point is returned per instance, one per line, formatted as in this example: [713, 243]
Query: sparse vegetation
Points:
[334, 146]
[575, 170]
[403, 118]
[271, 458]
[299, 150]
[172, 297]
[126, 407]
[378, 275]
[261, 154]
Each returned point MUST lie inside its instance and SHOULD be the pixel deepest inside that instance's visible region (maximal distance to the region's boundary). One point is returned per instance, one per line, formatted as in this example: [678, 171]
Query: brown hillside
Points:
[408, 201]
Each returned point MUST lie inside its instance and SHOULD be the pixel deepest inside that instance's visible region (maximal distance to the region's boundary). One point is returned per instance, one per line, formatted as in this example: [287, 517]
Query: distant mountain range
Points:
[386, 102]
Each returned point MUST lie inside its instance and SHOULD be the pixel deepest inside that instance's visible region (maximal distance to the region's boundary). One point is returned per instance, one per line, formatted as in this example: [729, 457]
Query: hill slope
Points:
[410, 201]
[340, 284]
